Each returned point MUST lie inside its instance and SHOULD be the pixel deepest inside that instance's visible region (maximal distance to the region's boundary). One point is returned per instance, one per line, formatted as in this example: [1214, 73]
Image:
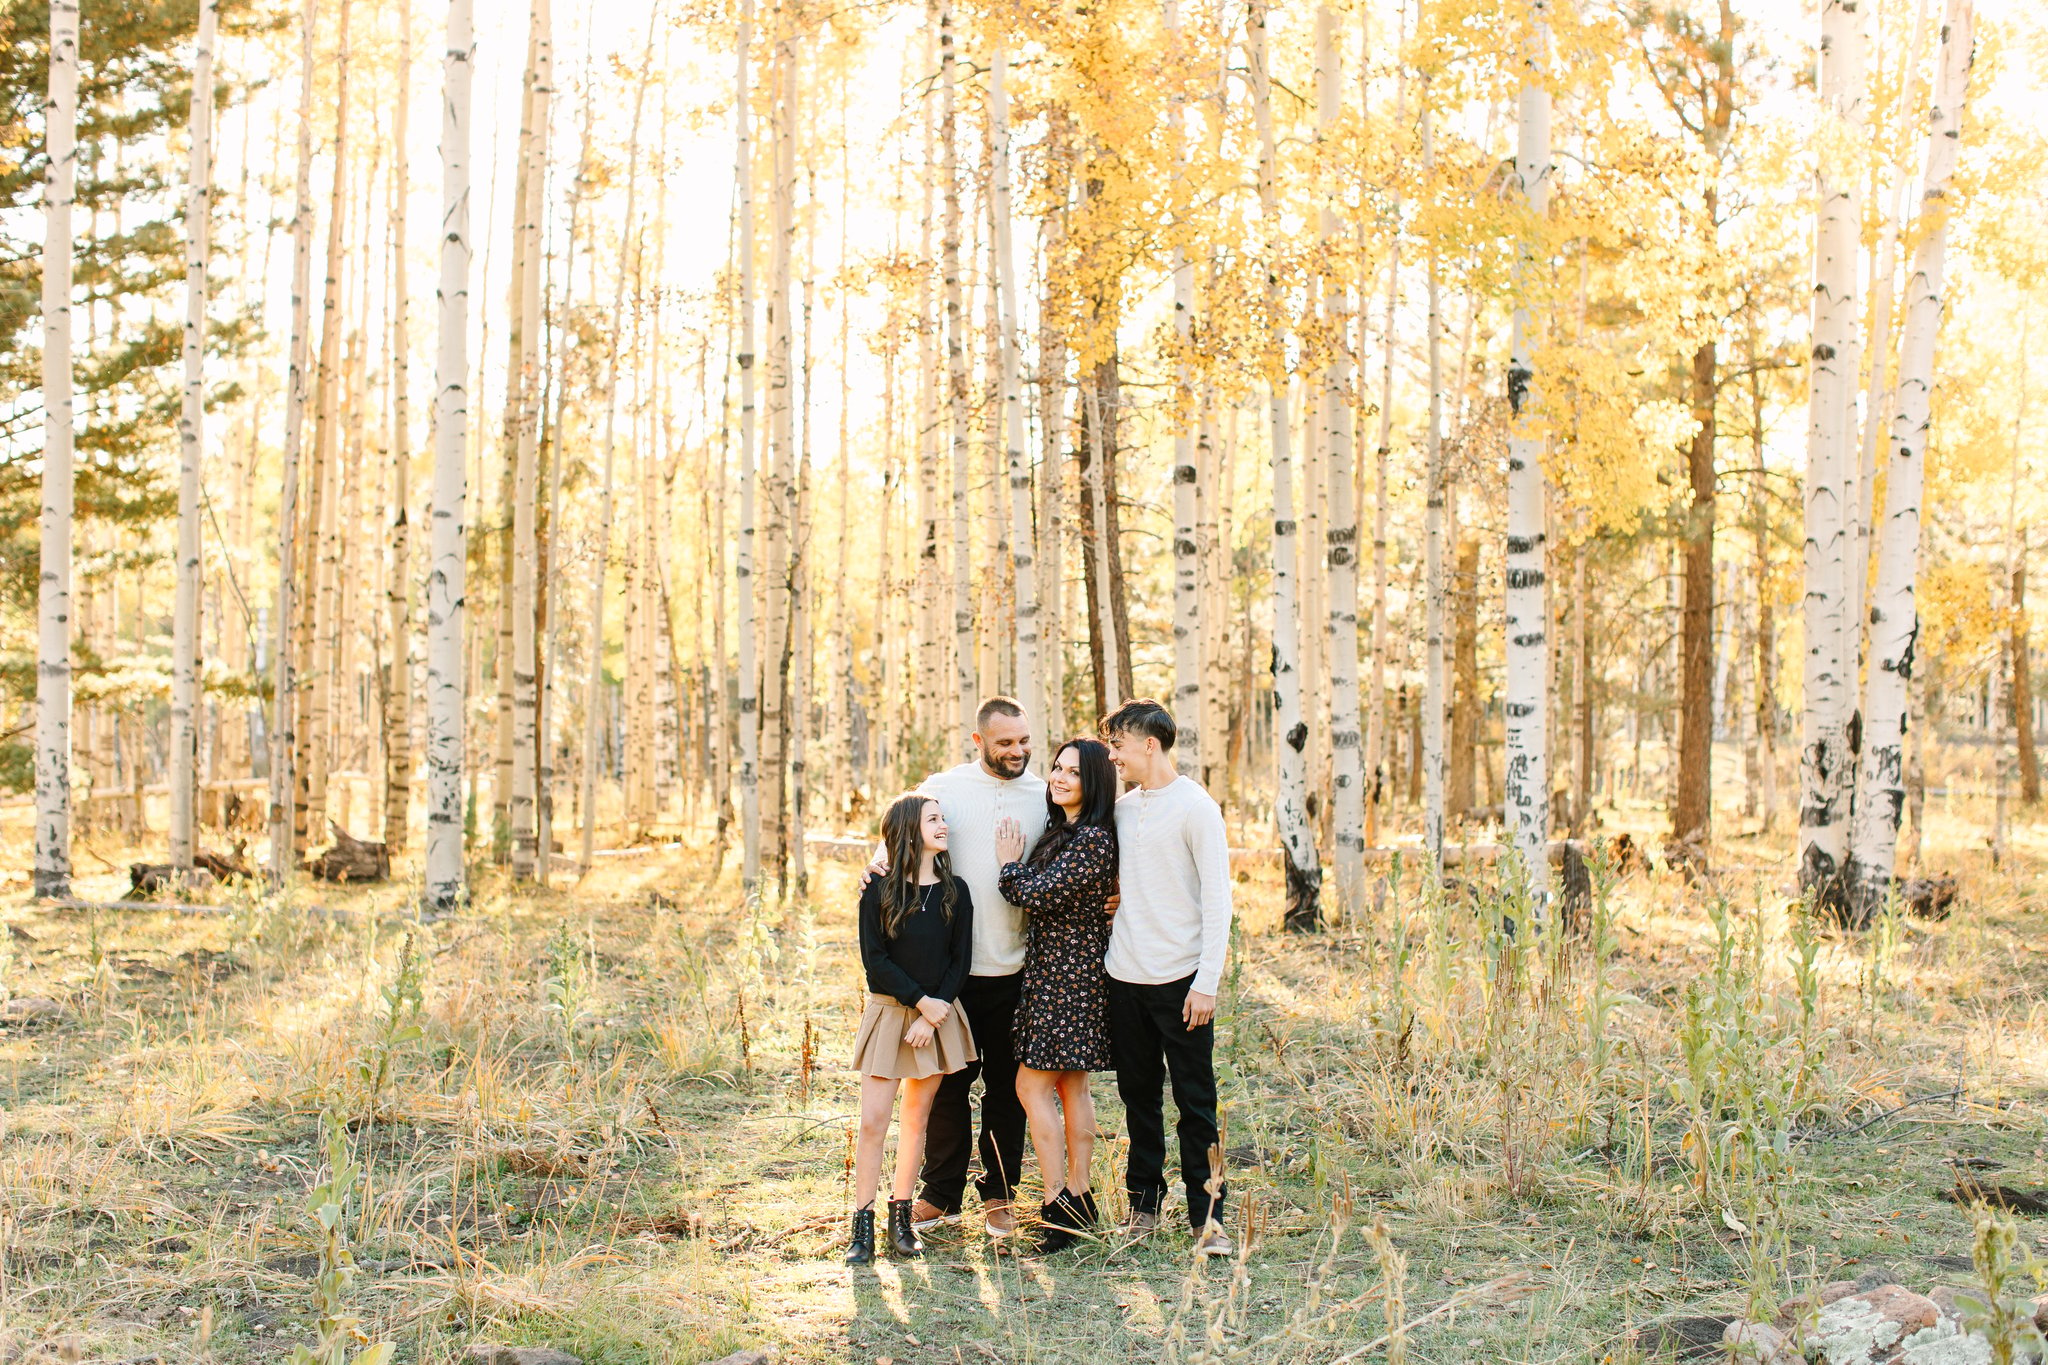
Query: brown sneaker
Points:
[1214, 1241]
[998, 1218]
[1139, 1223]
[925, 1215]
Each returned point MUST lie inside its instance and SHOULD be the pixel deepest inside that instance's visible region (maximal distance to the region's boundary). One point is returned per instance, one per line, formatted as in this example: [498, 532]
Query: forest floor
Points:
[622, 1127]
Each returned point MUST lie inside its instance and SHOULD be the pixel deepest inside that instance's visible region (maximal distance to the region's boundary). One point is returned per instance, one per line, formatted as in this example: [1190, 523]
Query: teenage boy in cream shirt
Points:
[1165, 965]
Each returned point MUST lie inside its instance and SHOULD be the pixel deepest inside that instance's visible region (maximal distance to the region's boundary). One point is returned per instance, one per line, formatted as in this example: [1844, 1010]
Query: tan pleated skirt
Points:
[879, 1049]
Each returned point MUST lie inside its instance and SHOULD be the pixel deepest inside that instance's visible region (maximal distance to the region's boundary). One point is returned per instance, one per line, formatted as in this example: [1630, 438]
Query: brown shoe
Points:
[1214, 1241]
[925, 1215]
[1139, 1223]
[998, 1219]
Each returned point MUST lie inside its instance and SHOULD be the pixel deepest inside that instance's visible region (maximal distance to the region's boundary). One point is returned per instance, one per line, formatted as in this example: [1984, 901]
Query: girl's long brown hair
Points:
[903, 846]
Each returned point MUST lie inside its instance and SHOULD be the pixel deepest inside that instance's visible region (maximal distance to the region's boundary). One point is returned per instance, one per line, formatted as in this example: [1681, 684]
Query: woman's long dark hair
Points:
[1098, 799]
[903, 844]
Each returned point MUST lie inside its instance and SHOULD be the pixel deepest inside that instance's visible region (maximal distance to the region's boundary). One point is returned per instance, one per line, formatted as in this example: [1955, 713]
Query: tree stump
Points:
[350, 859]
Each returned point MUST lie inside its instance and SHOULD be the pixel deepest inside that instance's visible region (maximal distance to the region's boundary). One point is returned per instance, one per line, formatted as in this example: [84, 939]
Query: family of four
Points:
[1028, 931]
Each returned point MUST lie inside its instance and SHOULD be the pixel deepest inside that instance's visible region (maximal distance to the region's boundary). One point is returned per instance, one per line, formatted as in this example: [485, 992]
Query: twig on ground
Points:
[1514, 1285]
[1873, 1122]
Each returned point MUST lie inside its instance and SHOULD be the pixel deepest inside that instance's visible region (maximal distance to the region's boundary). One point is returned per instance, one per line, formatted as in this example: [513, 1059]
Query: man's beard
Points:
[1010, 768]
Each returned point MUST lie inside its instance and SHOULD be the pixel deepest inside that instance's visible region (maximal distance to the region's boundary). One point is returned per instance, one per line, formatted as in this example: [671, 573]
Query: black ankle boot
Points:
[1061, 1223]
[902, 1237]
[1084, 1204]
[861, 1249]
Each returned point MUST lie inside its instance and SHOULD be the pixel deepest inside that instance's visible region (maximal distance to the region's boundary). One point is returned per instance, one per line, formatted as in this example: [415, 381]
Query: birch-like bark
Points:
[53, 604]
[593, 697]
[1378, 774]
[446, 885]
[284, 672]
[1826, 764]
[1052, 465]
[1187, 600]
[1023, 559]
[931, 688]
[778, 614]
[526, 437]
[743, 561]
[1432, 740]
[966, 683]
[398, 588]
[1304, 872]
[1341, 552]
[1525, 790]
[1894, 615]
[191, 445]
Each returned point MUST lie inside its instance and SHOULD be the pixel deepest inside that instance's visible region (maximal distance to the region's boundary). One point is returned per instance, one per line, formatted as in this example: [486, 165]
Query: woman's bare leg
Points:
[877, 1099]
[918, 1095]
[1079, 1107]
[1038, 1092]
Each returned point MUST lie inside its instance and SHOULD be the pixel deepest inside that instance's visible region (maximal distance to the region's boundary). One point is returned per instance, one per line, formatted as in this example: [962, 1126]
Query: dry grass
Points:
[605, 1136]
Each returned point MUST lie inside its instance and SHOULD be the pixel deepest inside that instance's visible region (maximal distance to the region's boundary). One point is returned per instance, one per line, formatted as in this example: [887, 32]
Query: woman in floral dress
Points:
[1062, 1030]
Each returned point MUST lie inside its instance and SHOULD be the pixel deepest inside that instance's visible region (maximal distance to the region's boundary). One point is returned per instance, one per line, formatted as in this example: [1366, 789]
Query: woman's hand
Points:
[920, 1033]
[934, 1011]
[1009, 840]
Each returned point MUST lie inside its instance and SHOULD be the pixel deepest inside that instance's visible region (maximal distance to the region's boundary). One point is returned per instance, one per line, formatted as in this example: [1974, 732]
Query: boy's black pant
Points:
[991, 1006]
[1151, 1044]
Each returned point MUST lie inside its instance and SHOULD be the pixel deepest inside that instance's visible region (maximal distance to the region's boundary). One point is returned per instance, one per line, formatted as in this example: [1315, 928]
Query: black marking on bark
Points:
[1184, 473]
[1518, 387]
[1525, 578]
[1297, 736]
[1522, 545]
[1283, 528]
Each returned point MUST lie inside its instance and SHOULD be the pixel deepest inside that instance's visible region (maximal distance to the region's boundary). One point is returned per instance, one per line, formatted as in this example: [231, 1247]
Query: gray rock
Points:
[31, 1010]
[1760, 1343]
[484, 1353]
[1870, 1328]
[753, 1355]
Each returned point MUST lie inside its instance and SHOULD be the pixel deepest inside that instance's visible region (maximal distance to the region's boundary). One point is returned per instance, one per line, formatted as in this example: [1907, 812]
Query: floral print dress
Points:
[1063, 1002]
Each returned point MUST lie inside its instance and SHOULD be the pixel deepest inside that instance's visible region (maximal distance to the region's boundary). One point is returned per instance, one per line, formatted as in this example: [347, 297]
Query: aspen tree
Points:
[802, 647]
[284, 680]
[966, 685]
[1377, 775]
[398, 591]
[526, 386]
[191, 444]
[839, 727]
[593, 703]
[1525, 791]
[316, 623]
[930, 652]
[1187, 602]
[1341, 551]
[1894, 616]
[446, 885]
[1030, 678]
[53, 640]
[1297, 845]
[777, 530]
[1431, 747]
[743, 561]
[1827, 765]
[1052, 456]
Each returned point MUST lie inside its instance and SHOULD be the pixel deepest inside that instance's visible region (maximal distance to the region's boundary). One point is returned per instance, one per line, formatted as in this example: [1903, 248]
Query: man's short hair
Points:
[1141, 716]
[996, 706]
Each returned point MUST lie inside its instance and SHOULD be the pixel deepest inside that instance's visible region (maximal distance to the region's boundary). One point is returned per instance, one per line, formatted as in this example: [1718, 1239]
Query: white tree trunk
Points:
[53, 639]
[1433, 541]
[1827, 766]
[1341, 551]
[526, 382]
[966, 682]
[398, 589]
[777, 531]
[191, 445]
[1525, 790]
[594, 708]
[1187, 599]
[1304, 872]
[743, 572]
[1052, 491]
[1376, 766]
[445, 880]
[1894, 617]
[1023, 559]
[284, 679]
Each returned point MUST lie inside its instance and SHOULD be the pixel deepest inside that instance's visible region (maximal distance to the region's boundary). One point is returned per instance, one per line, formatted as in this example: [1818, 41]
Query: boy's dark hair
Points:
[1141, 716]
[996, 706]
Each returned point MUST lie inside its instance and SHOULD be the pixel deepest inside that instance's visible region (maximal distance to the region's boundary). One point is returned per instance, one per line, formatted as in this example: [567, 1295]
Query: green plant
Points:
[328, 1203]
[566, 987]
[2001, 1314]
[397, 1025]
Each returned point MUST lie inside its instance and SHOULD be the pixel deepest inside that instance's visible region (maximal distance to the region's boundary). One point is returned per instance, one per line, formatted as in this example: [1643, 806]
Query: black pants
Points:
[991, 1005]
[1151, 1044]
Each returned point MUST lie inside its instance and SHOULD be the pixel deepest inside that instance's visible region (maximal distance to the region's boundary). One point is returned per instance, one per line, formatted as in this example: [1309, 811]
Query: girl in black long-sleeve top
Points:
[916, 941]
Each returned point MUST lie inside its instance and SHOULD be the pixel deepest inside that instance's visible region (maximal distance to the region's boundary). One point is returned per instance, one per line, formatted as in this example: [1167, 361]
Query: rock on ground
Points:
[484, 1353]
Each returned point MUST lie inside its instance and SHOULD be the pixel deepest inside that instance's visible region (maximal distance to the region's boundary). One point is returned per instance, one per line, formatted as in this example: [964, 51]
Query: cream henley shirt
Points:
[1173, 869]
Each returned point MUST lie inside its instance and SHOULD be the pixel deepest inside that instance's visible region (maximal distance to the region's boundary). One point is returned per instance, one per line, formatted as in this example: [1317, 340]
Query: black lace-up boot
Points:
[902, 1237]
[861, 1250]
